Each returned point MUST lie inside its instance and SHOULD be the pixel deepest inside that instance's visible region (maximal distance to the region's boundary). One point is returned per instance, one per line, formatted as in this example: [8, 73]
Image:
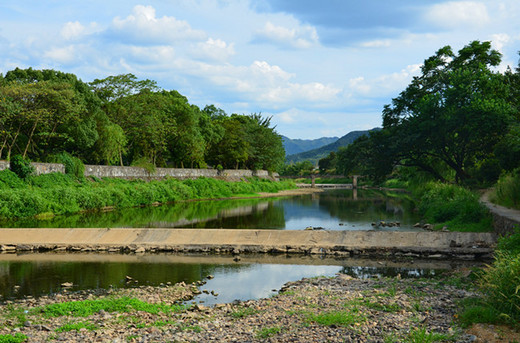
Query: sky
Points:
[319, 68]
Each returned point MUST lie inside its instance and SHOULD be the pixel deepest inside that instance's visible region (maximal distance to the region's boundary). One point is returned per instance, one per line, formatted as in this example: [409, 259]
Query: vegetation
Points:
[122, 120]
[499, 284]
[456, 122]
[16, 338]
[507, 190]
[55, 193]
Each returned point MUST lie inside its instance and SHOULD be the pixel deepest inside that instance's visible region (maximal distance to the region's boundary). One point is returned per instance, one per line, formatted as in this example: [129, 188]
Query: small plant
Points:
[242, 312]
[423, 336]
[21, 166]
[76, 326]
[268, 332]
[17, 338]
[73, 165]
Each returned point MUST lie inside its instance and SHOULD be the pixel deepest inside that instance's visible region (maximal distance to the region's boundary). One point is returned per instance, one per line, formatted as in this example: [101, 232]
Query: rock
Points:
[308, 228]
[236, 258]
[417, 225]
[67, 284]
[140, 250]
[209, 277]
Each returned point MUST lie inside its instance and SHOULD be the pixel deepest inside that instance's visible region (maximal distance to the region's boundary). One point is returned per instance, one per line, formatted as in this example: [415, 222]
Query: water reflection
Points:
[333, 210]
[253, 277]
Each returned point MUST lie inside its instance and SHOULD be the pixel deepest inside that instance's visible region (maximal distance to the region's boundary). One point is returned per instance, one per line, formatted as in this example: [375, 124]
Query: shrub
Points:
[507, 191]
[73, 165]
[21, 166]
[8, 179]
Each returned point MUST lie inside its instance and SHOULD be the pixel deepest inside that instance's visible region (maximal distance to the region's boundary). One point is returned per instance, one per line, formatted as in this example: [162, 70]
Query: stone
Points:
[67, 284]
[140, 250]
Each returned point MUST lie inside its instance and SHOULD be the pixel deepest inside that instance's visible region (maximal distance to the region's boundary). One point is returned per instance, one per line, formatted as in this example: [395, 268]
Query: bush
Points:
[73, 165]
[8, 179]
[455, 206]
[507, 191]
[21, 166]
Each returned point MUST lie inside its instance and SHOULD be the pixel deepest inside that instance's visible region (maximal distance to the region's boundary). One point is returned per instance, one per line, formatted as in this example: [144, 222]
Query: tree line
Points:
[459, 121]
[121, 120]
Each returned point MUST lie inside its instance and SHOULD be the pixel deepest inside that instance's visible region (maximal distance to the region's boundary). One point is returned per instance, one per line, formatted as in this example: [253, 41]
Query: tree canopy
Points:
[123, 120]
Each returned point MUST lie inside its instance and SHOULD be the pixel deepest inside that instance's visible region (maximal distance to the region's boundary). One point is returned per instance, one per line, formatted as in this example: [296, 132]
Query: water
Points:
[251, 278]
[332, 210]
[255, 276]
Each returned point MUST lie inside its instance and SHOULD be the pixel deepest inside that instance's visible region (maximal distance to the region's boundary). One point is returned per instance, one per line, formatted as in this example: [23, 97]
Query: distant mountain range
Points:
[295, 146]
[314, 155]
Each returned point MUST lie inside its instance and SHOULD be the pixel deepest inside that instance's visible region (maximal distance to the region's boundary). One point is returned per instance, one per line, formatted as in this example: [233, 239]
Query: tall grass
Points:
[507, 190]
[455, 206]
[56, 194]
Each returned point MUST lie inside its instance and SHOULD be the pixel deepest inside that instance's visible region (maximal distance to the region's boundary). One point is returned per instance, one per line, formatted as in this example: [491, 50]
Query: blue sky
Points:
[320, 68]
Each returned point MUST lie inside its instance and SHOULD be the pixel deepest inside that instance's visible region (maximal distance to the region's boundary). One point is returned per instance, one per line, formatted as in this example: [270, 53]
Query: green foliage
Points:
[267, 332]
[510, 244]
[76, 326]
[16, 338]
[298, 169]
[421, 335]
[85, 308]
[73, 165]
[454, 206]
[8, 179]
[21, 166]
[507, 190]
[242, 312]
[500, 282]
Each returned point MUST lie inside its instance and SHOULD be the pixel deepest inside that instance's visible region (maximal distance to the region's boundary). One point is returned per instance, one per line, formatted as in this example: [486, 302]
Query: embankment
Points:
[462, 245]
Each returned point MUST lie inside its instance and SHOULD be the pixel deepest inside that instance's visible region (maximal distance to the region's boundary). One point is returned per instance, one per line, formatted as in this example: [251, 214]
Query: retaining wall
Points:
[141, 173]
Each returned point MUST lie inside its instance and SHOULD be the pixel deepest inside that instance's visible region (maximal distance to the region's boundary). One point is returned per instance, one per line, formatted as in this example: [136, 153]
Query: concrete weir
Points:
[339, 243]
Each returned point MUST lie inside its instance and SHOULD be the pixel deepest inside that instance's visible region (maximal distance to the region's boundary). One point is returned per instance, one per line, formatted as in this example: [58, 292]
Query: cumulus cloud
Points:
[62, 55]
[213, 50]
[302, 37]
[456, 14]
[72, 30]
[384, 85]
[144, 27]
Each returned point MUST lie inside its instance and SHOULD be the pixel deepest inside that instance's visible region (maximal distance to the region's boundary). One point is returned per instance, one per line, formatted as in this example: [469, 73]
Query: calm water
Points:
[253, 277]
[332, 210]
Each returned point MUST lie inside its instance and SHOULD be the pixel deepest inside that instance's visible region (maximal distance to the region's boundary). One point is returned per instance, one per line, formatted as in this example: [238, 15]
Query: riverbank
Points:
[321, 309]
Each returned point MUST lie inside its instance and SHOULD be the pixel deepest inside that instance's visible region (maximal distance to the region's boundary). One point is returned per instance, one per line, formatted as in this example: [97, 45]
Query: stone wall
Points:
[141, 173]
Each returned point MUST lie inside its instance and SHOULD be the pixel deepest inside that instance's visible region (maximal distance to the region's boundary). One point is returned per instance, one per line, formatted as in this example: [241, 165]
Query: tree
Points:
[453, 114]
[116, 87]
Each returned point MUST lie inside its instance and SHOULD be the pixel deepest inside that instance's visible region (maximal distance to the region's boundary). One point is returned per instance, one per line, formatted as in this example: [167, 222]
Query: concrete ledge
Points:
[342, 243]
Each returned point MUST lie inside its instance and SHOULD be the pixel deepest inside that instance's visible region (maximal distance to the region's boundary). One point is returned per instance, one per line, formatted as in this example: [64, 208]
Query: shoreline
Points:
[317, 309]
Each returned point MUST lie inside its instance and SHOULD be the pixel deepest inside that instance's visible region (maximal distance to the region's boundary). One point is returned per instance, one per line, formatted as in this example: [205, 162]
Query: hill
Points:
[295, 146]
[316, 154]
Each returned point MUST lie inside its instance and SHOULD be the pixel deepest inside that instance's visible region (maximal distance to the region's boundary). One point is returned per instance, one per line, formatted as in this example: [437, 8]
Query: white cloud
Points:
[384, 85]
[63, 55]
[213, 49]
[144, 27]
[302, 37]
[72, 30]
[457, 14]
[380, 43]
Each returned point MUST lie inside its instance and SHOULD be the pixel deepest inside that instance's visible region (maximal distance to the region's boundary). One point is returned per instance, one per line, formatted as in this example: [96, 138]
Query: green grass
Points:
[242, 312]
[76, 326]
[267, 332]
[421, 335]
[86, 308]
[17, 338]
[57, 194]
[453, 206]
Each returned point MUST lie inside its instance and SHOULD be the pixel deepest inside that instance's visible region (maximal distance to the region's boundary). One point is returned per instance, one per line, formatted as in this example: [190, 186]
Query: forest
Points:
[121, 120]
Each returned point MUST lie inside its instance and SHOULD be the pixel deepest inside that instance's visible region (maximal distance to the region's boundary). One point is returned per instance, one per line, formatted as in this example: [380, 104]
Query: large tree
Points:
[453, 114]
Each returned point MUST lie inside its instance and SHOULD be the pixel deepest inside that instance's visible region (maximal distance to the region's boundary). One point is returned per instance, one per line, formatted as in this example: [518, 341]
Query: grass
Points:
[86, 308]
[421, 335]
[455, 207]
[56, 194]
[76, 326]
[17, 338]
[242, 312]
[267, 332]
[507, 190]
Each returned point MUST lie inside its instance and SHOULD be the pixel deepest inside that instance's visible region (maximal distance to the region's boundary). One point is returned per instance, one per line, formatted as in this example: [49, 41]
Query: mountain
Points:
[316, 154]
[295, 146]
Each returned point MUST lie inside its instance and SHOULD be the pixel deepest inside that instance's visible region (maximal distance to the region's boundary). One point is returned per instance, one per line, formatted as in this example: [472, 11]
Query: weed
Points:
[76, 326]
[242, 312]
[17, 338]
[268, 332]
[423, 336]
